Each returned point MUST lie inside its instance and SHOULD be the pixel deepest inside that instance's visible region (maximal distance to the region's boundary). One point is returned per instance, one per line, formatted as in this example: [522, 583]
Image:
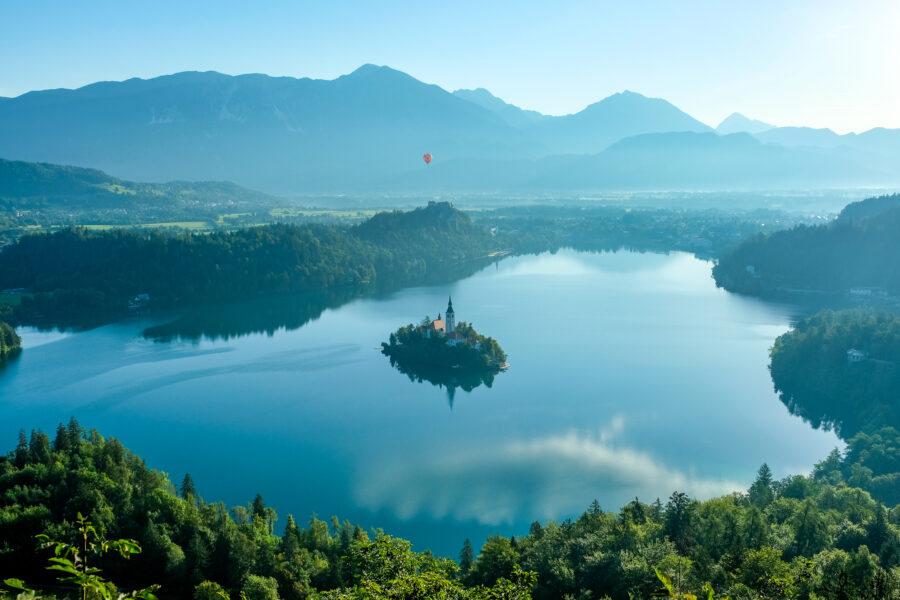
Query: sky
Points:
[818, 63]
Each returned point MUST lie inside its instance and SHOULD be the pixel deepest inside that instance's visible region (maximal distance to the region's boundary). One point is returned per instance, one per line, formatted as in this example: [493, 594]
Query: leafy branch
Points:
[71, 560]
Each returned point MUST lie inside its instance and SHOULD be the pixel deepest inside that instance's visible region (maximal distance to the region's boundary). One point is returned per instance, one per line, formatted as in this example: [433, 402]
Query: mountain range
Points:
[369, 129]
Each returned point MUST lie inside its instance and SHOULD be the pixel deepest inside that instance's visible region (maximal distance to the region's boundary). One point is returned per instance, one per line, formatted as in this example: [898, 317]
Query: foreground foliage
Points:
[71, 561]
[191, 548]
[801, 537]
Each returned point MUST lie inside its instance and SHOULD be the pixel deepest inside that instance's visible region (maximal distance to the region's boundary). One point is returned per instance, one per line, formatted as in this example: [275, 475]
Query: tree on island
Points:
[464, 348]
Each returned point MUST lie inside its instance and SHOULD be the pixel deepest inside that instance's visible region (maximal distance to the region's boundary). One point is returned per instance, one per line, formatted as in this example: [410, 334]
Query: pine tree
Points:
[760, 492]
[74, 433]
[61, 442]
[259, 507]
[39, 447]
[466, 558]
[187, 487]
[346, 535]
[21, 456]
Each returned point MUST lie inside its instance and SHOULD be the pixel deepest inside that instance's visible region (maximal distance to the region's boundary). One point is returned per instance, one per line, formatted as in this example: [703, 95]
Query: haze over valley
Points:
[366, 130]
[450, 301]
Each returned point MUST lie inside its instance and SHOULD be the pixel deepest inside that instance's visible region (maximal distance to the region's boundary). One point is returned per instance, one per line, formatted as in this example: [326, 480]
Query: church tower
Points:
[450, 317]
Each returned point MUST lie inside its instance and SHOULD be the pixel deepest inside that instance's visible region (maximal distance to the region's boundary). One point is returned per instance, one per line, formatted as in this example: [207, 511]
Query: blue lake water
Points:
[631, 375]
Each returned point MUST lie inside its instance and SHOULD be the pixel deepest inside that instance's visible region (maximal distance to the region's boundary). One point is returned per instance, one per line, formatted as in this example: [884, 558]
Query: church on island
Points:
[447, 327]
[444, 343]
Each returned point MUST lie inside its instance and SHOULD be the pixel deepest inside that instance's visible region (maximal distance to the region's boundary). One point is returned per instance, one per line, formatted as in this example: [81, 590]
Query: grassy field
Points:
[226, 221]
[189, 225]
[12, 299]
[315, 212]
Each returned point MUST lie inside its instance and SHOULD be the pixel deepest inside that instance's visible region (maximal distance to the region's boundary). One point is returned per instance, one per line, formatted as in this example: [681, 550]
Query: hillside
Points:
[35, 186]
[77, 274]
[858, 250]
[815, 379]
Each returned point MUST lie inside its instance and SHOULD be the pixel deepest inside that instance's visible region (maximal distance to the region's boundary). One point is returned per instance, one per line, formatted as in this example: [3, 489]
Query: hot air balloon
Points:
[427, 158]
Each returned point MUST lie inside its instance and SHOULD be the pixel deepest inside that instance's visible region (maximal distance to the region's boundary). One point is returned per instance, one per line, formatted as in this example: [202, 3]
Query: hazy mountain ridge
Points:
[368, 130]
[271, 133]
[662, 161]
[26, 186]
[738, 123]
[512, 114]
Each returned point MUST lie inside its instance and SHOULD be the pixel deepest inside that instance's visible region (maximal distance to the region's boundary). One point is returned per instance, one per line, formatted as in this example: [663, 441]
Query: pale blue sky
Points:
[822, 63]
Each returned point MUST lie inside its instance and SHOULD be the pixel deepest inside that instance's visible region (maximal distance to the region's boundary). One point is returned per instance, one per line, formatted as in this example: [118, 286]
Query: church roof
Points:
[438, 324]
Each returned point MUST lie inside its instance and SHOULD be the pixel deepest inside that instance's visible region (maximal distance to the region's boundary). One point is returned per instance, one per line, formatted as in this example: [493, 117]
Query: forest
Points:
[799, 537]
[76, 275]
[818, 377]
[88, 276]
[707, 233]
[856, 251]
[838, 370]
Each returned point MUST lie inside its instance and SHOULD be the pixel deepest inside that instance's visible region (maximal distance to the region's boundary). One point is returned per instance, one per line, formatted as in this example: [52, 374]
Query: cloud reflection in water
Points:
[548, 477]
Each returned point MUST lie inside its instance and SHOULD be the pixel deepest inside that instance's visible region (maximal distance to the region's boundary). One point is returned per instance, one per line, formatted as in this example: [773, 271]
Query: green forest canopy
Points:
[818, 378]
[800, 537]
[858, 250]
[79, 271]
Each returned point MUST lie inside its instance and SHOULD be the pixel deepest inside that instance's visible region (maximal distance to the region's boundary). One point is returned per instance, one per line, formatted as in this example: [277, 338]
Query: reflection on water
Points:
[559, 472]
[263, 315]
[9, 360]
[450, 380]
[633, 375]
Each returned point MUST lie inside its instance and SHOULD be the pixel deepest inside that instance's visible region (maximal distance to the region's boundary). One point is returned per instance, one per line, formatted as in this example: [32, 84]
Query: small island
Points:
[443, 344]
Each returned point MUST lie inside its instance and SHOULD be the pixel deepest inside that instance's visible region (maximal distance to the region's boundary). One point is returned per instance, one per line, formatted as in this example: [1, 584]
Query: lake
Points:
[631, 375]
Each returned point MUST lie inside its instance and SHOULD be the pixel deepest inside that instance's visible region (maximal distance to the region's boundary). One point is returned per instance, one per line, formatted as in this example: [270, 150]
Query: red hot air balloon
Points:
[427, 158]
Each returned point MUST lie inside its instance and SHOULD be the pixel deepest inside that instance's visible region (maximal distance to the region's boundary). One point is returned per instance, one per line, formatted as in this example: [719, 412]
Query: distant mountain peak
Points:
[512, 114]
[370, 70]
[737, 123]
[639, 112]
[479, 92]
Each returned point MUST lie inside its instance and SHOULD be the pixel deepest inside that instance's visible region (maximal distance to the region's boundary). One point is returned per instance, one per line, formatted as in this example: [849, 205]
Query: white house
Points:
[855, 356]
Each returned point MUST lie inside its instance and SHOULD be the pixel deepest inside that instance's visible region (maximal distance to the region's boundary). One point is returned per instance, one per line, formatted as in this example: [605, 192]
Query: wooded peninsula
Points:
[855, 254]
[78, 274]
